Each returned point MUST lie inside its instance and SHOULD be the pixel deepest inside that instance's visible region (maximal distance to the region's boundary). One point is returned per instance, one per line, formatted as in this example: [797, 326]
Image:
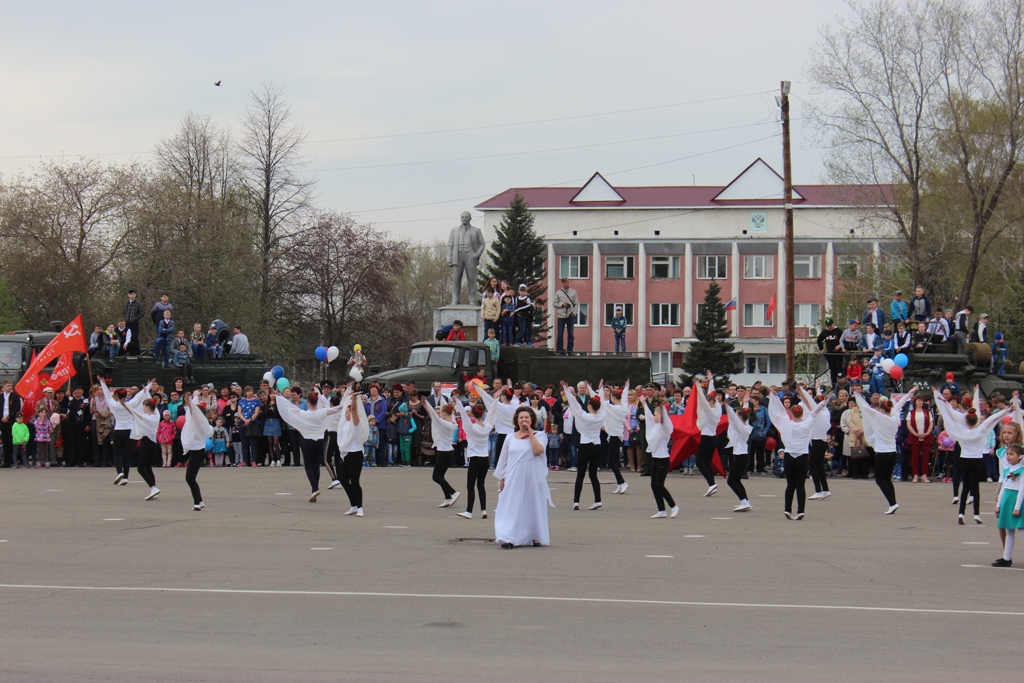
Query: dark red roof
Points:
[686, 196]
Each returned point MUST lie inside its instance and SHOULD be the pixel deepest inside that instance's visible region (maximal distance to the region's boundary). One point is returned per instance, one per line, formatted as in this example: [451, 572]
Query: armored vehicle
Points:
[454, 363]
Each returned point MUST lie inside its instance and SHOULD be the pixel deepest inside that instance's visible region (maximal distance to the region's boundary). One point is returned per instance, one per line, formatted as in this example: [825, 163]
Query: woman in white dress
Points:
[521, 517]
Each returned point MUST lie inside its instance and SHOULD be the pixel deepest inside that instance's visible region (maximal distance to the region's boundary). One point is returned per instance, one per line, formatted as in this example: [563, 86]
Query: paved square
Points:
[98, 585]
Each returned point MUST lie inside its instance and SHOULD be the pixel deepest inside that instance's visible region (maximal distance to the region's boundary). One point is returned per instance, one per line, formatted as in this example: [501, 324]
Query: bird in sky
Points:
[217, 84]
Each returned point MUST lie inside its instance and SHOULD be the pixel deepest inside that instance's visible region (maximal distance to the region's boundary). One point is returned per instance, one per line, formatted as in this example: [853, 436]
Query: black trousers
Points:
[614, 457]
[761, 456]
[955, 469]
[149, 452]
[659, 470]
[817, 465]
[796, 476]
[973, 472]
[499, 443]
[195, 461]
[442, 461]
[705, 453]
[122, 450]
[737, 469]
[334, 456]
[312, 457]
[348, 473]
[8, 441]
[297, 448]
[884, 465]
[475, 478]
[835, 366]
[586, 463]
[75, 447]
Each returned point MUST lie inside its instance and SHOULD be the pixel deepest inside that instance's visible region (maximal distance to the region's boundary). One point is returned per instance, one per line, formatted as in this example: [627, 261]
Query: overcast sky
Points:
[114, 78]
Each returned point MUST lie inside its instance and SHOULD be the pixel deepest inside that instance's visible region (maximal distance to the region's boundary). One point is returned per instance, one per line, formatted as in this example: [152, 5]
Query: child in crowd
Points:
[197, 341]
[165, 433]
[555, 440]
[853, 368]
[1010, 498]
[164, 335]
[406, 426]
[391, 438]
[370, 445]
[113, 341]
[19, 436]
[888, 344]
[212, 343]
[220, 442]
[877, 382]
[493, 345]
[46, 453]
[182, 360]
[508, 320]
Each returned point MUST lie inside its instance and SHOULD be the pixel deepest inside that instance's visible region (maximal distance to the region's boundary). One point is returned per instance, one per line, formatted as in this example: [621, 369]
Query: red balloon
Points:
[770, 444]
[180, 422]
[896, 372]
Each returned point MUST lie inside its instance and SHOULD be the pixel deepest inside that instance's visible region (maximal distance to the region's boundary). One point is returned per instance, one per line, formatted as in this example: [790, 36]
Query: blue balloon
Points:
[209, 444]
[321, 354]
[901, 360]
[277, 371]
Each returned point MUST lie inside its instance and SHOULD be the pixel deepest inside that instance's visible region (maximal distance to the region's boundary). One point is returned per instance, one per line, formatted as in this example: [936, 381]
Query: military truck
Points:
[454, 363]
[16, 349]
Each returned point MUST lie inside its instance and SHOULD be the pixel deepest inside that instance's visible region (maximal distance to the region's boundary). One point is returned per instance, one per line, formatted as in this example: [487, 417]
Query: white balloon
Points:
[269, 376]
[355, 374]
[332, 353]
[887, 364]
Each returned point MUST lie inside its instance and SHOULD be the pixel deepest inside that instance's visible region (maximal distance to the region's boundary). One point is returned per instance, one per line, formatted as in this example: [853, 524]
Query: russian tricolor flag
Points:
[731, 306]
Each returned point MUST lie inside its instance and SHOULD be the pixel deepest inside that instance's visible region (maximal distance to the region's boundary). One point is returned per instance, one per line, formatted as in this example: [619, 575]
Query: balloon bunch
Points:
[894, 366]
[326, 354]
[276, 378]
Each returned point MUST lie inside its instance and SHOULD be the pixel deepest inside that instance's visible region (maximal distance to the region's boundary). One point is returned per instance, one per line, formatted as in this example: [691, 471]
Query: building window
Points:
[756, 315]
[849, 266]
[618, 267]
[757, 365]
[711, 267]
[574, 267]
[758, 268]
[664, 267]
[806, 267]
[665, 315]
[661, 362]
[806, 315]
[697, 314]
[609, 313]
[583, 317]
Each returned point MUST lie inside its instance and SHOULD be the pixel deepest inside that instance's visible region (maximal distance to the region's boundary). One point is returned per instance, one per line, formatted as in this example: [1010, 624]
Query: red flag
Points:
[64, 371]
[30, 388]
[686, 436]
[70, 339]
[771, 308]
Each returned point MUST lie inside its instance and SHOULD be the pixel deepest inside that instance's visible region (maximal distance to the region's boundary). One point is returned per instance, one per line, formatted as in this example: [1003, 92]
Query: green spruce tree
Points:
[517, 256]
[711, 351]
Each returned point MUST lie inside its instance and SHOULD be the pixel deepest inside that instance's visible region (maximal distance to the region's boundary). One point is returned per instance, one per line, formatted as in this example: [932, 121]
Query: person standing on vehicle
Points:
[156, 314]
[132, 315]
[524, 317]
[898, 309]
[962, 327]
[567, 306]
[828, 343]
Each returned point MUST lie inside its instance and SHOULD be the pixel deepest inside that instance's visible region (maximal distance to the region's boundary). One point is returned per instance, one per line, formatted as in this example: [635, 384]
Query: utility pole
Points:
[787, 175]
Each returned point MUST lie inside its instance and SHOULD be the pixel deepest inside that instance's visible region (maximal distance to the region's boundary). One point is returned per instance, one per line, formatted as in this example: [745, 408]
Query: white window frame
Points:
[758, 267]
[627, 310]
[806, 315]
[813, 263]
[696, 313]
[661, 362]
[845, 261]
[757, 316]
[721, 267]
[583, 315]
[662, 312]
[670, 262]
[565, 267]
[760, 361]
[626, 263]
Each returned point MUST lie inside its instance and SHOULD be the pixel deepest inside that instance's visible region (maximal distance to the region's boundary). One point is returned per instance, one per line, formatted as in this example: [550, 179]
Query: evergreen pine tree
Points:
[517, 256]
[711, 351]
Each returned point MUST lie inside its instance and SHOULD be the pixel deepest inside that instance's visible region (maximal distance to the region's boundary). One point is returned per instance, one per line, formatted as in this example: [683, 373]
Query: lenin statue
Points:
[465, 247]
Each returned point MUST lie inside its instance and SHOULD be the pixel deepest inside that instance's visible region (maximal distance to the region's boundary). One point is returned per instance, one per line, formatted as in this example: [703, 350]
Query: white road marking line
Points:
[4, 541]
[660, 557]
[321, 548]
[980, 566]
[694, 536]
[526, 598]
[54, 490]
[113, 519]
[396, 527]
[721, 518]
[282, 494]
[976, 543]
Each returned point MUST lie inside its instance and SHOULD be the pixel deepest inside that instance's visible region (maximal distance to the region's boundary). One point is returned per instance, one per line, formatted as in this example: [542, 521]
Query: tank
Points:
[929, 370]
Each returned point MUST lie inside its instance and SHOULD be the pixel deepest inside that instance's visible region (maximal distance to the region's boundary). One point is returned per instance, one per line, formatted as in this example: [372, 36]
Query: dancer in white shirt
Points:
[194, 434]
[353, 431]
[311, 425]
[145, 421]
[521, 517]
[123, 425]
[589, 422]
[658, 430]
[615, 414]
[442, 429]
[478, 434]
[709, 414]
[739, 435]
[880, 427]
[796, 436]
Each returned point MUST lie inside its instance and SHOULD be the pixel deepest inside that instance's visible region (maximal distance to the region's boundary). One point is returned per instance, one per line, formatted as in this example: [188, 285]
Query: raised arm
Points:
[994, 419]
[776, 411]
[818, 407]
[897, 408]
[574, 404]
[488, 400]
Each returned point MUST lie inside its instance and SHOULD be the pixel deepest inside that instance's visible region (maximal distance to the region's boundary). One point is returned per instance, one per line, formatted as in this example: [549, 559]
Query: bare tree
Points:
[200, 159]
[277, 193]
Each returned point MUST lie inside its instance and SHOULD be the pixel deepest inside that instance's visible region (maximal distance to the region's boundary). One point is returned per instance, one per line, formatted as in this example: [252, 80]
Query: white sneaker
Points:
[117, 481]
[455, 497]
[334, 484]
[595, 506]
[675, 511]
[447, 502]
[977, 520]
[351, 511]
[744, 506]
[659, 515]
[153, 493]
[892, 509]
[970, 500]
[956, 499]
[622, 489]
[799, 515]
[124, 482]
[712, 490]
[483, 514]
[575, 506]
[825, 494]
[201, 505]
[572, 469]
[359, 512]
[816, 496]
[465, 515]
[789, 515]
[618, 489]
[197, 508]
[313, 496]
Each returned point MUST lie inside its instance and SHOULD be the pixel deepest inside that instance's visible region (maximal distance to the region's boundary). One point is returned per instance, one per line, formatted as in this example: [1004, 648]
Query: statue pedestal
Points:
[472, 322]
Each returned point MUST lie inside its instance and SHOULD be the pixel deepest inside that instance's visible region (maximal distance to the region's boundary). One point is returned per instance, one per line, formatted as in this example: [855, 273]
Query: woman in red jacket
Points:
[919, 424]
